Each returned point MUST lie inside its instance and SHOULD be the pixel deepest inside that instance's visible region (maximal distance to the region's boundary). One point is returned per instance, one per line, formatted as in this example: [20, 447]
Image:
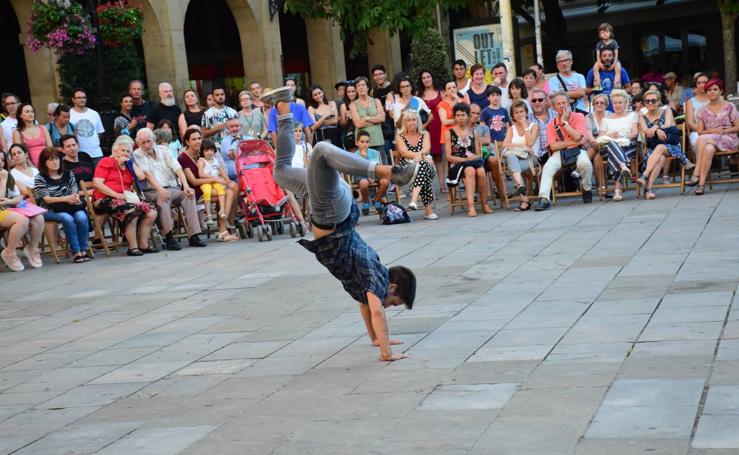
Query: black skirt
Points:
[456, 171]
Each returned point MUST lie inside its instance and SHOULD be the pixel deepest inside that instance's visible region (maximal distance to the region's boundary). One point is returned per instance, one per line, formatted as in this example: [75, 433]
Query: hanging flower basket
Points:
[119, 23]
[61, 26]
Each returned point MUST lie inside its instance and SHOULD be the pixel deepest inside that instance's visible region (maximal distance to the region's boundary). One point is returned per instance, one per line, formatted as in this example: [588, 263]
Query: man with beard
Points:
[214, 119]
[87, 125]
[607, 76]
[165, 109]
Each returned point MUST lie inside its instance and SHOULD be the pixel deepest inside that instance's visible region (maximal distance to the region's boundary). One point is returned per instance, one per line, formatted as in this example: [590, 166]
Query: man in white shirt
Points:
[500, 78]
[214, 119]
[570, 82]
[87, 125]
[10, 104]
[164, 176]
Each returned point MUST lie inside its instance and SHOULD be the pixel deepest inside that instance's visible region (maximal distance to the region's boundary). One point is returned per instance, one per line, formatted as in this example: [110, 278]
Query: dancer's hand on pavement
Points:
[393, 357]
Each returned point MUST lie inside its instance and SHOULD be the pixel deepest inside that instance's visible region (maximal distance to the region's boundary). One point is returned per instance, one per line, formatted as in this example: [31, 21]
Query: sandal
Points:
[226, 236]
[134, 252]
[79, 258]
[521, 190]
[12, 261]
[523, 206]
[221, 214]
[149, 250]
[699, 190]
[649, 194]
[692, 182]
[626, 175]
[87, 256]
[471, 213]
[617, 195]
[487, 209]
[602, 191]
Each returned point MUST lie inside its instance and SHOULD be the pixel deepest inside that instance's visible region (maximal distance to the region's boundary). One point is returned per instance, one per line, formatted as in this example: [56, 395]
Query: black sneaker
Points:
[171, 243]
[196, 242]
[542, 205]
[587, 196]
[279, 94]
[404, 174]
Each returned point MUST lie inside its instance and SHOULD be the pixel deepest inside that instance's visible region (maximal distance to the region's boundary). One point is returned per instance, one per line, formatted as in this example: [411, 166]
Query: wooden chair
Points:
[732, 178]
[52, 242]
[458, 199]
[557, 181]
[99, 223]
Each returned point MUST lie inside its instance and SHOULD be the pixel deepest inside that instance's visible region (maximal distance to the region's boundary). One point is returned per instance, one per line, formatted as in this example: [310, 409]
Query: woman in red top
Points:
[34, 136]
[112, 178]
[446, 118]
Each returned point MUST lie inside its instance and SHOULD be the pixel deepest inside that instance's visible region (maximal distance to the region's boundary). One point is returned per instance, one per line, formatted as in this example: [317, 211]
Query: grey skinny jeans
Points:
[330, 197]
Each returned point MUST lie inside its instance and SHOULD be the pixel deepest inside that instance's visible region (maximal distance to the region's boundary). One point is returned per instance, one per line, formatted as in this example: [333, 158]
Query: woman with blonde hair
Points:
[617, 139]
[414, 144]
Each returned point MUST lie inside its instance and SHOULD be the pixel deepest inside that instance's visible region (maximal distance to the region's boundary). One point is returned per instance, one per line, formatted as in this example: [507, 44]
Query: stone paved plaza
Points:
[610, 328]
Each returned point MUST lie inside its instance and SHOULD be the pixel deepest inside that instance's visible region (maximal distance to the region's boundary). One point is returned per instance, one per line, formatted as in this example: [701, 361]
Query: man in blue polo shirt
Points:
[300, 115]
[607, 76]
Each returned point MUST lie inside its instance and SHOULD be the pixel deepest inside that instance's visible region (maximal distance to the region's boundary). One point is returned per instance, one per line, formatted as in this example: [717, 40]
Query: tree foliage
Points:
[362, 16]
[429, 52]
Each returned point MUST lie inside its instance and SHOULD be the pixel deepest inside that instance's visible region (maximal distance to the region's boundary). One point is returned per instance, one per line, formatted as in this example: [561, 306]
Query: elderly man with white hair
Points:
[166, 108]
[570, 82]
[162, 179]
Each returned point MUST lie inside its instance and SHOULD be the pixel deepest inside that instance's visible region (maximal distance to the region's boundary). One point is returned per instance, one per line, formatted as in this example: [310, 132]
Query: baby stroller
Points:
[265, 206]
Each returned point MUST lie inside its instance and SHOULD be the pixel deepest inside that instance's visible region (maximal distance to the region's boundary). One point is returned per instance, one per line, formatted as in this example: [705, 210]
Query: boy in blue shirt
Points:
[363, 142]
[494, 116]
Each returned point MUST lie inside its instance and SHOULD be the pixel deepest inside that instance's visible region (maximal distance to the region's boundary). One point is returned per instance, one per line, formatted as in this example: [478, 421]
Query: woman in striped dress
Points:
[56, 190]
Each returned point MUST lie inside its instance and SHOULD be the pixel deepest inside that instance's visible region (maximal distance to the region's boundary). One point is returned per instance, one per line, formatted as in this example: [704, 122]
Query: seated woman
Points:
[463, 155]
[617, 140]
[24, 171]
[519, 149]
[56, 190]
[653, 125]
[114, 196]
[363, 140]
[593, 120]
[693, 105]
[718, 125]
[188, 159]
[17, 223]
[414, 144]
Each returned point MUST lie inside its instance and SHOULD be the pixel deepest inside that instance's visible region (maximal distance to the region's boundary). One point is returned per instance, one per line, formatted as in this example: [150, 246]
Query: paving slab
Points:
[524, 339]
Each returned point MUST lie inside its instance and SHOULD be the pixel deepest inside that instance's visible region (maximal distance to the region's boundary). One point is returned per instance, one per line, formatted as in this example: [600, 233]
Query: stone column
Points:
[384, 49]
[326, 52]
[43, 80]
[261, 44]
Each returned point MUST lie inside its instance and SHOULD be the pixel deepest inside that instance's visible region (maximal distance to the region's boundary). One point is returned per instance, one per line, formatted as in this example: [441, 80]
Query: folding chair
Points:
[99, 223]
[457, 196]
[732, 177]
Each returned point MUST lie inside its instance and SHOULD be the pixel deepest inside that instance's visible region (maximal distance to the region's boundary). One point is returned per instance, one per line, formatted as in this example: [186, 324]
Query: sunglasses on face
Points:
[537, 100]
[599, 103]
[650, 101]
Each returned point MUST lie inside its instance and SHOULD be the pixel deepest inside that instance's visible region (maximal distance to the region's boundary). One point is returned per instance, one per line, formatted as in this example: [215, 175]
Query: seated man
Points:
[79, 163]
[163, 176]
[334, 215]
[565, 134]
[229, 146]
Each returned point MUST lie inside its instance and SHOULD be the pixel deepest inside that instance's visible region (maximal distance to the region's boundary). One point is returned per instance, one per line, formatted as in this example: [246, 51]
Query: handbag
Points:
[567, 156]
[129, 196]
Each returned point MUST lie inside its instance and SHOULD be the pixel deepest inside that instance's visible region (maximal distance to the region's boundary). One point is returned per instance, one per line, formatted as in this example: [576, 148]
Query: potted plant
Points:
[119, 23]
[61, 26]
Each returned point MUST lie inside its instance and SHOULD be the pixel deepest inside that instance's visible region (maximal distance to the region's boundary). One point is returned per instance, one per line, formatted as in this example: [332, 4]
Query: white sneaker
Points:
[431, 217]
[279, 94]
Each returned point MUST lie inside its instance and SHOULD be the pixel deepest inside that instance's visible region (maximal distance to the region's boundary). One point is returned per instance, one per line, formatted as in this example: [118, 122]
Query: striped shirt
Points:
[45, 186]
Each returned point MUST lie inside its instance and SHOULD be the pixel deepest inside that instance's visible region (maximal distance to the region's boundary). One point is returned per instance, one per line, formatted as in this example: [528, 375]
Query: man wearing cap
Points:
[674, 92]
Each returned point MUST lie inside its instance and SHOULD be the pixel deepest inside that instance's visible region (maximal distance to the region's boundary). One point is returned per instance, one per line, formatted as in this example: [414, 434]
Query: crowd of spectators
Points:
[527, 129]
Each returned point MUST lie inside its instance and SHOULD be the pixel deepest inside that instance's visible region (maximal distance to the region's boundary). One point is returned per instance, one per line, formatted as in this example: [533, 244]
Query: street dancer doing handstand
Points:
[334, 215]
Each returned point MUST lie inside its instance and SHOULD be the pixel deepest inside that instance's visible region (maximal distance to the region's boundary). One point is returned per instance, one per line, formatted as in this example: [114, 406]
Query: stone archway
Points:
[158, 54]
[13, 74]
